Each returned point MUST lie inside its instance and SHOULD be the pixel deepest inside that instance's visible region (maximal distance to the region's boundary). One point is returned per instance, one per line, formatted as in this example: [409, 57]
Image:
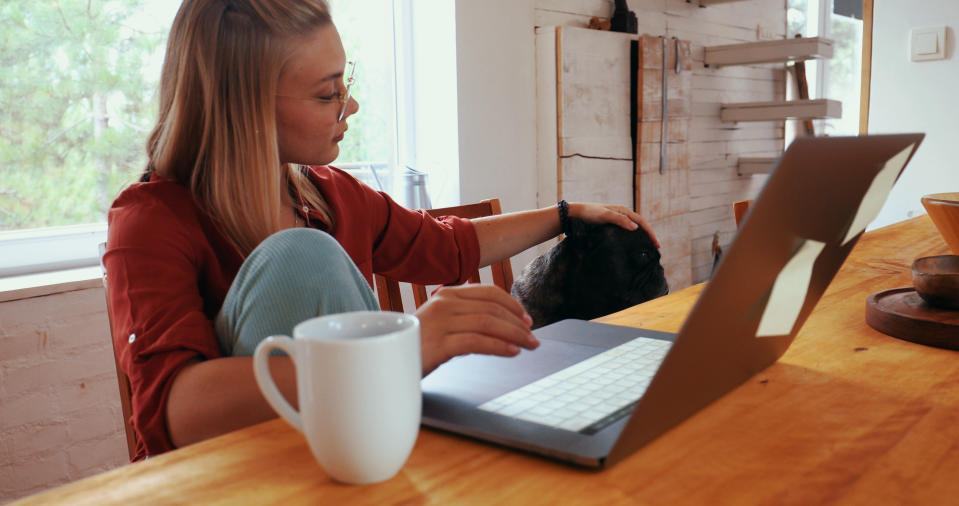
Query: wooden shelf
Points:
[771, 111]
[769, 51]
[756, 165]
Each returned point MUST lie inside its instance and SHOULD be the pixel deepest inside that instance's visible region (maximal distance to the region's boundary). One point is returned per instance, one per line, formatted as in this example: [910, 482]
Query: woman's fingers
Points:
[472, 319]
[485, 310]
[489, 294]
[466, 342]
[621, 217]
[489, 325]
[617, 215]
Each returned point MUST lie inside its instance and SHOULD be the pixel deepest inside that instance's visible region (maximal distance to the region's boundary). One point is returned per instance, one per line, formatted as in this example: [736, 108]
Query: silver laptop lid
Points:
[797, 233]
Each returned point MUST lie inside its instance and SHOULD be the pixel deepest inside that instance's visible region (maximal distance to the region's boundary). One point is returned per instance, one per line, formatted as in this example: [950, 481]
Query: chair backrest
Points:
[388, 290]
[126, 406]
[739, 210]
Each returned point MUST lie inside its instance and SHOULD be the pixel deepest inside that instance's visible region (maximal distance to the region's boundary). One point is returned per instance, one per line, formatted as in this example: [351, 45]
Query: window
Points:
[837, 78]
[407, 89]
[77, 87]
[78, 81]
[368, 150]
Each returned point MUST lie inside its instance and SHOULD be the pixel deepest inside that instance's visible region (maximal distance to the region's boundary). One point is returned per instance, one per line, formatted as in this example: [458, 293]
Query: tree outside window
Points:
[77, 88]
[78, 82]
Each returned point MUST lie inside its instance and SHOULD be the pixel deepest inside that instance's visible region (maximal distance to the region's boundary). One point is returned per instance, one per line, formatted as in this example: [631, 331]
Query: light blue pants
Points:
[290, 277]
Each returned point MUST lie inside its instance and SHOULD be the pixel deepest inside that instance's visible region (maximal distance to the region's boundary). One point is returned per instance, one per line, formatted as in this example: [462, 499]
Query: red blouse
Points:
[169, 269]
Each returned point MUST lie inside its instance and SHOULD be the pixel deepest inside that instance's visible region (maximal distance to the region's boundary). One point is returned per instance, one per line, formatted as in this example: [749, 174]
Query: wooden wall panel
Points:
[663, 193]
[713, 146]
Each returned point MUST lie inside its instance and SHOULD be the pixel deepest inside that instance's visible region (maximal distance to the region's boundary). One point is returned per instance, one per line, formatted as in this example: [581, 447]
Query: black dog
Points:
[596, 270]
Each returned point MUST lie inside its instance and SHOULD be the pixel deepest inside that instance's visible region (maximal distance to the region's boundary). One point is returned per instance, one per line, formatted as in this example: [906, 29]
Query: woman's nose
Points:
[352, 107]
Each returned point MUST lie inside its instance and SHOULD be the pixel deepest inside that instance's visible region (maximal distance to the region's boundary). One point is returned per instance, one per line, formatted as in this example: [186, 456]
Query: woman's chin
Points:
[331, 155]
[325, 158]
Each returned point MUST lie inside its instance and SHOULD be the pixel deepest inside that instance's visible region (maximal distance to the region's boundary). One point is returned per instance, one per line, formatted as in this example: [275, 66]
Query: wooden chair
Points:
[388, 290]
[739, 210]
[126, 406]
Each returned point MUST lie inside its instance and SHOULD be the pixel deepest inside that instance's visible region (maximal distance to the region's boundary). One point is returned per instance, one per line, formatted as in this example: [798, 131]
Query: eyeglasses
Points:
[343, 98]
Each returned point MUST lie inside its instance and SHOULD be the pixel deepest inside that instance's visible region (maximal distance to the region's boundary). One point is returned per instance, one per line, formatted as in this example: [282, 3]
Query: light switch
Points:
[928, 44]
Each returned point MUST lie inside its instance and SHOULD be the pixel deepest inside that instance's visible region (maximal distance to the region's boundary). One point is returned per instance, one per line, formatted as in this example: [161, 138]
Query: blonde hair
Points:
[216, 128]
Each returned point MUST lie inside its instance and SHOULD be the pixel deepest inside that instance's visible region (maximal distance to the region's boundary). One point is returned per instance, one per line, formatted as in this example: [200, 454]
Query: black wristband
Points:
[563, 216]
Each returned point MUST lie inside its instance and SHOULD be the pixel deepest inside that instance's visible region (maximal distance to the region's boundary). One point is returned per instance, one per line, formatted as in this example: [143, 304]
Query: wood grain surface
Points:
[848, 415]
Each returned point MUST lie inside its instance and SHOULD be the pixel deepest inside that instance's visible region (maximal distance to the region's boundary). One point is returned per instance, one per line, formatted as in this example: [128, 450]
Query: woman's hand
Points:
[459, 320]
[617, 215]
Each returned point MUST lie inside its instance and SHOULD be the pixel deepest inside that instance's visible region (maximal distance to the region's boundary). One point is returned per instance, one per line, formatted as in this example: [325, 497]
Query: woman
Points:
[239, 230]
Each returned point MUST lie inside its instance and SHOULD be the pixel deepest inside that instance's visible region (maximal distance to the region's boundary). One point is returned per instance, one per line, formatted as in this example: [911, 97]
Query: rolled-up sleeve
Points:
[384, 237]
[157, 312]
[418, 248]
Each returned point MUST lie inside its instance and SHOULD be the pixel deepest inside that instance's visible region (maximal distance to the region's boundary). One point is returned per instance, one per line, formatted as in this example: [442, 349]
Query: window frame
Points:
[49, 249]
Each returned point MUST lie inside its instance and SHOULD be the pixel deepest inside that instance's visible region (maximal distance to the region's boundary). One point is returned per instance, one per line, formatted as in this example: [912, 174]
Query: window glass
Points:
[77, 90]
[366, 29]
[843, 73]
[78, 83]
[839, 77]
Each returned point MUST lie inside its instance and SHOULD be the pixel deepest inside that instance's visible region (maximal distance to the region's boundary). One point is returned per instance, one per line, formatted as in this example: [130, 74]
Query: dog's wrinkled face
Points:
[596, 270]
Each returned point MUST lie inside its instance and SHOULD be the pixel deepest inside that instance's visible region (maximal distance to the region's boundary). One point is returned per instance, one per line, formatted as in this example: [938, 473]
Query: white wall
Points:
[496, 101]
[496, 88]
[911, 96]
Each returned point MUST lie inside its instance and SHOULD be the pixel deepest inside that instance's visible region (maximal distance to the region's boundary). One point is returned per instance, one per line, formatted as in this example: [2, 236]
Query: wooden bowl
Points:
[943, 208]
[936, 280]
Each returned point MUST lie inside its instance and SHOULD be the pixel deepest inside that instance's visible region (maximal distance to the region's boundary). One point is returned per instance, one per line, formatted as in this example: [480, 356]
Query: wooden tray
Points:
[901, 313]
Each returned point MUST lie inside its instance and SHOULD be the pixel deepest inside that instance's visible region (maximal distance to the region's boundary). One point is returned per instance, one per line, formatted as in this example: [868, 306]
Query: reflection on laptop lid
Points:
[799, 230]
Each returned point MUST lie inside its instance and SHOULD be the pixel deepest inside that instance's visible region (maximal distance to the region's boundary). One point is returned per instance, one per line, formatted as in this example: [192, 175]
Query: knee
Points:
[301, 252]
[298, 243]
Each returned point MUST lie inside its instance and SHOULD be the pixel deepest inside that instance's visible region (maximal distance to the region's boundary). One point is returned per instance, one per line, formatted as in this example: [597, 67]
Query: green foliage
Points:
[77, 105]
[78, 82]
[366, 29]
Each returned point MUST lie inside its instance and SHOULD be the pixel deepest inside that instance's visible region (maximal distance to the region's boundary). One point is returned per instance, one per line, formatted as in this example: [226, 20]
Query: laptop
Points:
[592, 393]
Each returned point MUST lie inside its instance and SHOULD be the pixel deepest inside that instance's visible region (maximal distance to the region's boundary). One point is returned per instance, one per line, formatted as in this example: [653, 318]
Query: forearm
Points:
[218, 396]
[505, 235]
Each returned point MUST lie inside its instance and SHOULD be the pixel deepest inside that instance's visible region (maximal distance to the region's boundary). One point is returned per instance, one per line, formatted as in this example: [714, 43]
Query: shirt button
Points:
[133, 337]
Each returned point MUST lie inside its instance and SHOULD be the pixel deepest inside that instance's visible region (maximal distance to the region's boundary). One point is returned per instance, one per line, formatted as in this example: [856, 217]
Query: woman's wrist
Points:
[563, 207]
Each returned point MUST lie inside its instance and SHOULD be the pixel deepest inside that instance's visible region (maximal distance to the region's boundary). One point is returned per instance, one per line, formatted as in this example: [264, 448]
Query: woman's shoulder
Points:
[342, 188]
[153, 203]
[154, 193]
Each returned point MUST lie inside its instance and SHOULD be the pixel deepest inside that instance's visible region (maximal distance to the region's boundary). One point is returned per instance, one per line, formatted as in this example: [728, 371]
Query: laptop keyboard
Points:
[589, 395]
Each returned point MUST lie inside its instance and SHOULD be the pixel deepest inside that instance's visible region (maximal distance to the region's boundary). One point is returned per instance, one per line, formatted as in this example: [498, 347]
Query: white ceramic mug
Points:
[358, 381]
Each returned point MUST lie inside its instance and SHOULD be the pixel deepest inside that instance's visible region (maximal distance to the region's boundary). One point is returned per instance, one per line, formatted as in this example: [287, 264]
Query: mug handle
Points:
[261, 370]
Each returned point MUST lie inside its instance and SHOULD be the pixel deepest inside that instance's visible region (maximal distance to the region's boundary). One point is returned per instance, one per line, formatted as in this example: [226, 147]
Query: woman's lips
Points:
[338, 138]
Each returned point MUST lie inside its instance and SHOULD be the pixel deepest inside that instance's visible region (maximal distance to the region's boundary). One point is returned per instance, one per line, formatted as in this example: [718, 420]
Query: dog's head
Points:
[594, 271]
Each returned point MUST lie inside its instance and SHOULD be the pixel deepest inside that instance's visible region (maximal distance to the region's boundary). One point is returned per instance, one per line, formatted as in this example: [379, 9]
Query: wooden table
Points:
[847, 415]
